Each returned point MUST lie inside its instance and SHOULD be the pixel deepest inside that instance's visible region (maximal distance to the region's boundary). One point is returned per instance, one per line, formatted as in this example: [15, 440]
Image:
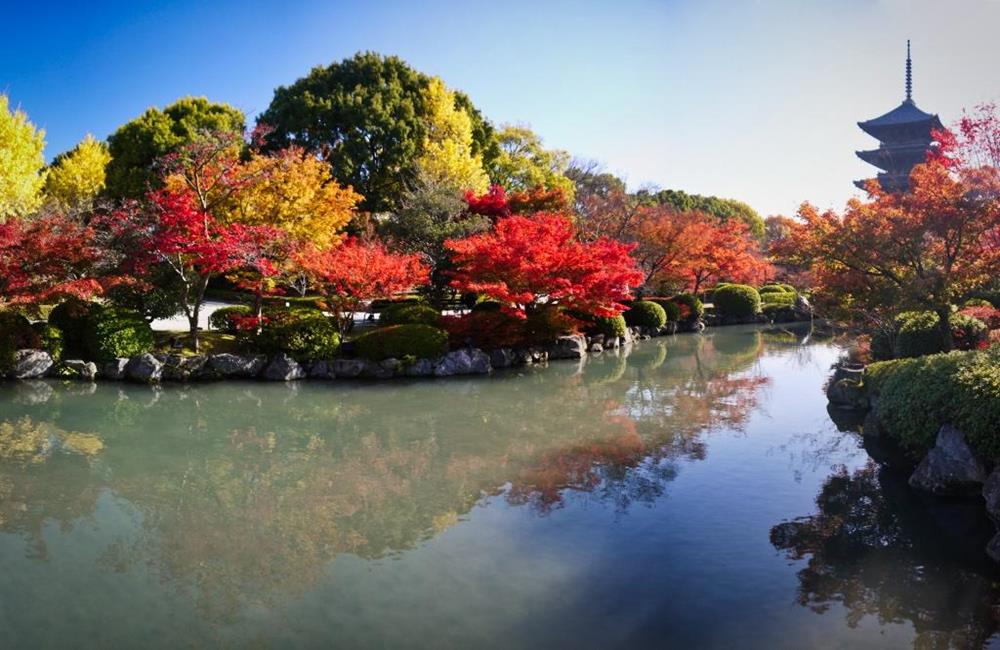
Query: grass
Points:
[210, 343]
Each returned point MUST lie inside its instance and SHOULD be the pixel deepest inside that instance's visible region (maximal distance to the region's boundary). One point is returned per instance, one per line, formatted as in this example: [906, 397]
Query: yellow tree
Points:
[77, 176]
[22, 164]
[293, 191]
[447, 155]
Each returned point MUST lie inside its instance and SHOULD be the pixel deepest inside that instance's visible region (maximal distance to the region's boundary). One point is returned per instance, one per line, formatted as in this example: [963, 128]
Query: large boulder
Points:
[420, 368]
[950, 468]
[467, 361]
[991, 493]
[30, 364]
[993, 548]
[80, 369]
[385, 369]
[872, 425]
[177, 367]
[144, 368]
[569, 347]
[236, 365]
[845, 389]
[503, 358]
[321, 370]
[114, 369]
[283, 368]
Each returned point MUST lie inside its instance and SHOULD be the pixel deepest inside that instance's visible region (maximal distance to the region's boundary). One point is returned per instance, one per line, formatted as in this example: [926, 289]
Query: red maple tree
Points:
[357, 271]
[496, 203]
[527, 262]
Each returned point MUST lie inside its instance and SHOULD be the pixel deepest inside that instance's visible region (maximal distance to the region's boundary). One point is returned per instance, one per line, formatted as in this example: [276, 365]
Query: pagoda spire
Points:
[909, 73]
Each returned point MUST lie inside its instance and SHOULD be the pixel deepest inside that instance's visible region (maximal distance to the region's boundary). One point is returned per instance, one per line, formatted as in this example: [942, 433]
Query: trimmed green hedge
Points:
[916, 396]
[782, 298]
[112, 332]
[410, 314]
[645, 313]
[305, 335]
[918, 333]
[221, 318]
[401, 341]
[737, 300]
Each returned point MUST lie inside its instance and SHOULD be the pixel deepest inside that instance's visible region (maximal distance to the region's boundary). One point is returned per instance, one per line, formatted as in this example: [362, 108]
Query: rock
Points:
[845, 389]
[993, 548]
[114, 369]
[503, 358]
[421, 368]
[950, 468]
[321, 370]
[802, 305]
[30, 364]
[568, 347]
[872, 426]
[283, 368]
[611, 342]
[467, 361]
[178, 367]
[236, 365]
[629, 336]
[384, 369]
[144, 368]
[348, 368]
[86, 370]
[596, 347]
[991, 493]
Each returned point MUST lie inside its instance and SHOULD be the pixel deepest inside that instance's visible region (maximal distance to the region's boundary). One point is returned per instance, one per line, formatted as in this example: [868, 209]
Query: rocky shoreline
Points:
[950, 469]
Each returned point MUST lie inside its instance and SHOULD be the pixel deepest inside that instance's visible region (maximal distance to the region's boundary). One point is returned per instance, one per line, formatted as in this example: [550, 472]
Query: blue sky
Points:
[755, 100]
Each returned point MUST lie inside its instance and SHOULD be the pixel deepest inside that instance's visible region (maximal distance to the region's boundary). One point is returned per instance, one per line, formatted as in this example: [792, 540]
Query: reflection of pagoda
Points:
[904, 134]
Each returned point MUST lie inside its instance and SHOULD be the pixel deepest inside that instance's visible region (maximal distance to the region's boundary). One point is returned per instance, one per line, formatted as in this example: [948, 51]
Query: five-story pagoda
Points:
[904, 134]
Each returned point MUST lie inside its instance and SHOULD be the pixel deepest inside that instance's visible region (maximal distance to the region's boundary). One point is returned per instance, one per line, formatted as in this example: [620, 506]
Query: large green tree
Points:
[524, 163]
[22, 164]
[368, 117]
[723, 209]
[137, 144]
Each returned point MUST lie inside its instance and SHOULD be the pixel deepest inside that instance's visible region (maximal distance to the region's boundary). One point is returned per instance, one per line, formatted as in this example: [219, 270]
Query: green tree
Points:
[723, 209]
[22, 172]
[523, 163]
[77, 176]
[447, 155]
[136, 145]
[364, 115]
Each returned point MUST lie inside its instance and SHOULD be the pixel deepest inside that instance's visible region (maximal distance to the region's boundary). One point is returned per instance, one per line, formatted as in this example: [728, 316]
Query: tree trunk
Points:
[195, 309]
[944, 316]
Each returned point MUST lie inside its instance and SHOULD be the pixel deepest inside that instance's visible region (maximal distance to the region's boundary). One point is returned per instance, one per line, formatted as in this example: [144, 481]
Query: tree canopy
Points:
[22, 173]
[524, 163]
[722, 209]
[447, 155]
[77, 176]
[138, 144]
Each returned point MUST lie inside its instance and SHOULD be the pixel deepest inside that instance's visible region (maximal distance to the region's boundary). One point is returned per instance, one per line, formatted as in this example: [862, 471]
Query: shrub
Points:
[782, 298]
[976, 302]
[50, 339]
[410, 314]
[606, 325]
[547, 324]
[486, 329]
[918, 333]
[672, 310]
[988, 314]
[400, 341]
[645, 313]
[16, 334]
[71, 318]
[112, 332]
[919, 395]
[690, 307]
[738, 301]
[381, 304]
[303, 335]
[774, 287]
[221, 319]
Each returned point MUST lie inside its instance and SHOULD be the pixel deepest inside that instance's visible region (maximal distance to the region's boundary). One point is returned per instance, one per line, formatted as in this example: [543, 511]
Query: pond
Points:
[691, 493]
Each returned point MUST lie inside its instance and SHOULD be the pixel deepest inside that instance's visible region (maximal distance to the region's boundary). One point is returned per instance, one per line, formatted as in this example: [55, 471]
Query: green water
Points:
[692, 493]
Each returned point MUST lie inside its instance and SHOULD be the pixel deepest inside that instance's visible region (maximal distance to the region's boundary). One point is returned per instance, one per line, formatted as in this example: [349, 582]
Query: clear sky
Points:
[755, 100]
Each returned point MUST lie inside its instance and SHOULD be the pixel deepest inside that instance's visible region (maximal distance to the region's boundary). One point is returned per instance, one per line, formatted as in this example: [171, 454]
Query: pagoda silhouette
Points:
[904, 136]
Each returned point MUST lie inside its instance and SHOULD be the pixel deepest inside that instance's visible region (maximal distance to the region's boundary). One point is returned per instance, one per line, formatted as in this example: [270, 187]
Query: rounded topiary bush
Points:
[50, 339]
[670, 308]
[968, 332]
[774, 287]
[977, 302]
[737, 301]
[919, 334]
[113, 332]
[303, 335]
[607, 325]
[221, 319]
[645, 313]
[690, 306]
[410, 314]
[401, 341]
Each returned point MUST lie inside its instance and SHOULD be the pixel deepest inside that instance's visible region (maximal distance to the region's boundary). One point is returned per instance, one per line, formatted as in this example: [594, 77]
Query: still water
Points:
[691, 493]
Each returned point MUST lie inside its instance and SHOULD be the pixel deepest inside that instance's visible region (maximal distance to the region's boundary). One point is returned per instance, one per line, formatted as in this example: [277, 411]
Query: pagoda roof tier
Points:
[906, 121]
[889, 182]
[895, 157]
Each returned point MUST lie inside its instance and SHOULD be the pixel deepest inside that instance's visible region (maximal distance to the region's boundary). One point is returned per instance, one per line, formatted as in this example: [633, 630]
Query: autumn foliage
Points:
[496, 203]
[525, 262]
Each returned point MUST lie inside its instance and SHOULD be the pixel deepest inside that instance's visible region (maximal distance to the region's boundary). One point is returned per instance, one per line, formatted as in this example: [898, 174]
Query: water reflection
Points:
[243, 492]
[876, 549]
